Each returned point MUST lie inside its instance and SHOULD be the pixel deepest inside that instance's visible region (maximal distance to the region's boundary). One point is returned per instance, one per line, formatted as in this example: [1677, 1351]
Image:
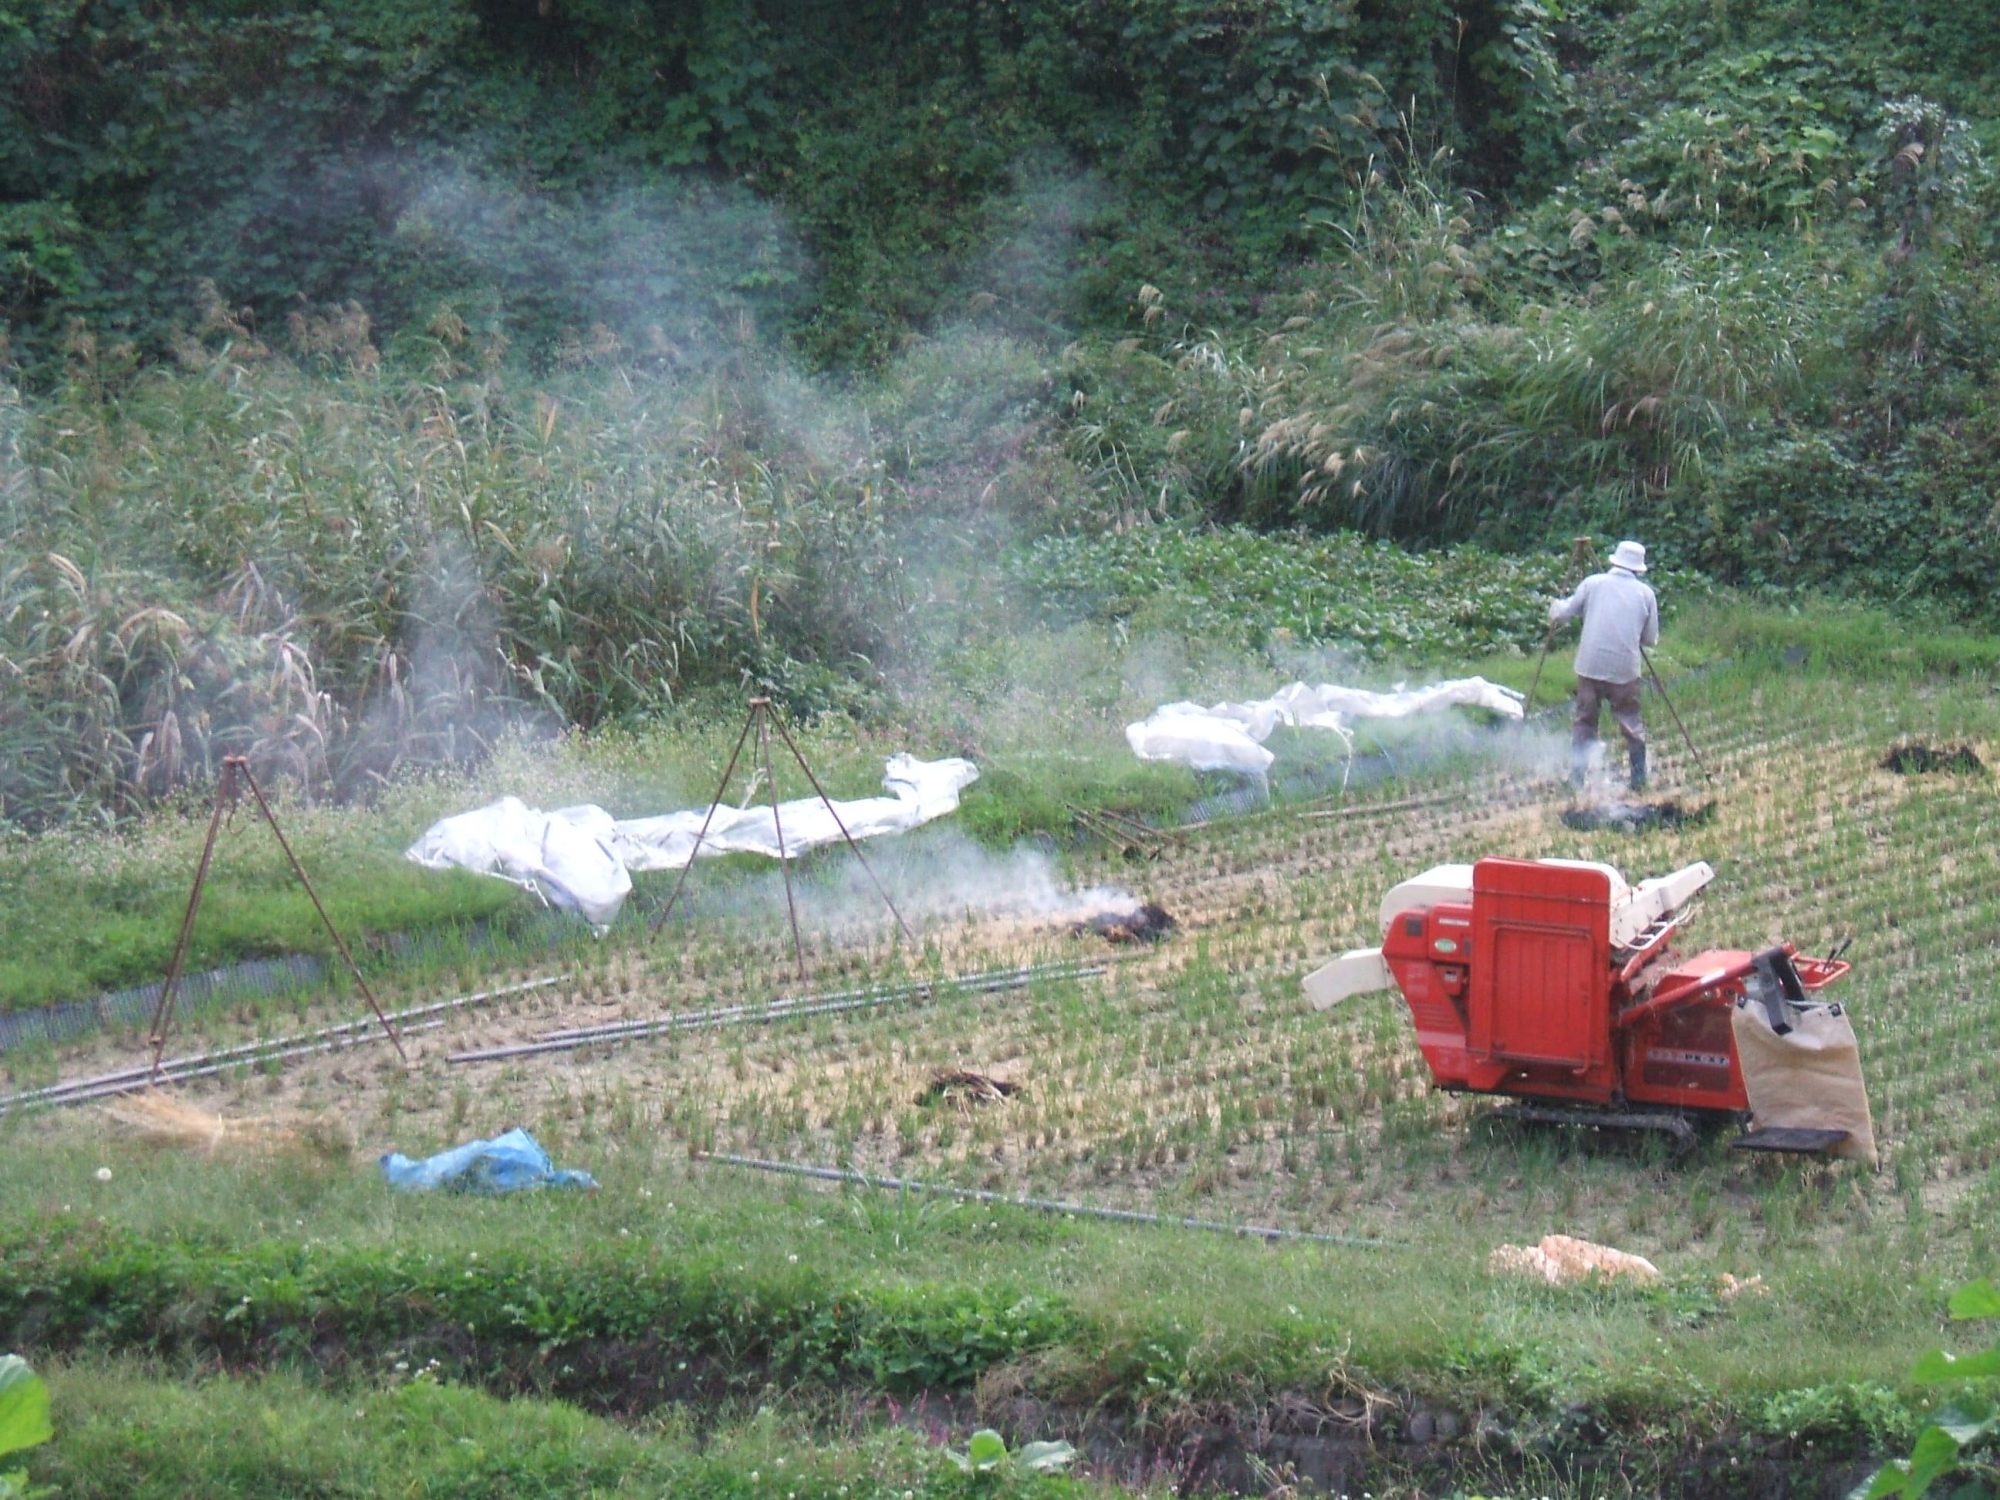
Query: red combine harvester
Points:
[1554, 983]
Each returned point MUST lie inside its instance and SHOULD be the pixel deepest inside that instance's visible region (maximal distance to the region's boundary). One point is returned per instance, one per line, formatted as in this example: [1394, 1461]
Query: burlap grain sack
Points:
[1809, 1078]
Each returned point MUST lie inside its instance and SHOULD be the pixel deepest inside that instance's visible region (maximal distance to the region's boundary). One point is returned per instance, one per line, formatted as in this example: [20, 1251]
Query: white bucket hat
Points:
[1631, 556]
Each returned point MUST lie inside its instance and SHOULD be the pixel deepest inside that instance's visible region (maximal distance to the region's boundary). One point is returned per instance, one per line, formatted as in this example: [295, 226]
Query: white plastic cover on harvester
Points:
[580, 859]
[1230, 736]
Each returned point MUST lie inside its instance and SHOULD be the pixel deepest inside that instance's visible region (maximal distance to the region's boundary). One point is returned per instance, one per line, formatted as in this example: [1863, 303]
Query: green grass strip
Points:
[131, 1431]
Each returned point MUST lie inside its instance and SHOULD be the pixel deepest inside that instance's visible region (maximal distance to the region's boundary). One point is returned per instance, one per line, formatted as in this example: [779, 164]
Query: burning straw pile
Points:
[965, 1088]
[1142, 922]
[1637, 817]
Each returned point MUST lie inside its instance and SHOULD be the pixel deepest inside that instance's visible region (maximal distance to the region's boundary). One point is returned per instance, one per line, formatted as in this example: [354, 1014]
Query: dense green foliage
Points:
[579, 173]
[384, 377]
[1341, 592]
[1771, 398]
[522, 1321]
[656, 170]
[348, 576]
[341, 578]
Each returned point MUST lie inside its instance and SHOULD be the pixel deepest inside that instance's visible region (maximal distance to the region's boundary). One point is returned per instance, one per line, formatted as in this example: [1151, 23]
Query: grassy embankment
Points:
[1191, 1081]
[130, 1430]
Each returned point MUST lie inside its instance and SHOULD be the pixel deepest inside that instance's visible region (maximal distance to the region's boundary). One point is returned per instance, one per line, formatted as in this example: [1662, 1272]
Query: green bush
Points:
[1907, 527]
[1292, 591]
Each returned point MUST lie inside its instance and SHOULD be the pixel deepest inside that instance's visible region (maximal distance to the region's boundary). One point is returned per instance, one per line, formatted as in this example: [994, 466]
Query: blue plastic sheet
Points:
[505, 1164]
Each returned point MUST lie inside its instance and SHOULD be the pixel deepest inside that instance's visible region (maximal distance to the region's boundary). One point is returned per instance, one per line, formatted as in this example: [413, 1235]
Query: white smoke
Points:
[932, 876]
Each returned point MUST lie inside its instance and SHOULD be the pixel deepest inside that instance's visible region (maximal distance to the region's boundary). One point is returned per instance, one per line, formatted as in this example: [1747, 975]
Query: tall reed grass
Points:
[344, 573]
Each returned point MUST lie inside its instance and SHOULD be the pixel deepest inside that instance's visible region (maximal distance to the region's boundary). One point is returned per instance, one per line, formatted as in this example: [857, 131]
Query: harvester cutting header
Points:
[1555, 983]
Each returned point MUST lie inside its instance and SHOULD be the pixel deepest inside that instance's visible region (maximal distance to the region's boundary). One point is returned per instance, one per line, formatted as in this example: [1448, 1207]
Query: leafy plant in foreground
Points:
[1958, 1443]
[24, 1419]
[986, 1454]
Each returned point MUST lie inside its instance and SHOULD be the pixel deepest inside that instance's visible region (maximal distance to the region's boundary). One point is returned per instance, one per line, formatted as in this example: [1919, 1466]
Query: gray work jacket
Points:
[1620, 615]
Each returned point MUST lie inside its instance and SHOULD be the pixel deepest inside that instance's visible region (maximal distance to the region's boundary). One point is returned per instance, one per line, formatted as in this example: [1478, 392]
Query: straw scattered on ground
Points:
[165, 1119]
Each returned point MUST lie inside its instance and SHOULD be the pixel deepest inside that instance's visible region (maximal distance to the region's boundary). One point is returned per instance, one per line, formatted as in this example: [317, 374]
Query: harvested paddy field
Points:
[1187, 1077]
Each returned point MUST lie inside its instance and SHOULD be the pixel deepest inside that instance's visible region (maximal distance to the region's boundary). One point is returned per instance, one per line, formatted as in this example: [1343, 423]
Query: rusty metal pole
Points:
[1580, 551]
[225, 791]
[714, 802]
[1548, 641]
[760, 708]
[761, 717]
[333, 932]
[1661, 688]
[837, 823]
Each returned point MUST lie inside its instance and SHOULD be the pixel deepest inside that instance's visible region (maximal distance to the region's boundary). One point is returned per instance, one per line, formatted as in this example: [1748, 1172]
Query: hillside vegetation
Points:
[384, 375]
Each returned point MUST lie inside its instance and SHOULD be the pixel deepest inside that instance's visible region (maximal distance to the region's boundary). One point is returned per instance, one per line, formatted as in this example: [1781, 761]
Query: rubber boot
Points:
[1638, 778]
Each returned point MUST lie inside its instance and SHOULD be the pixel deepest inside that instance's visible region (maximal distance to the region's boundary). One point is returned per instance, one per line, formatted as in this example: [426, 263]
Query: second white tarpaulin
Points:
[1230, 736]
[581, 859]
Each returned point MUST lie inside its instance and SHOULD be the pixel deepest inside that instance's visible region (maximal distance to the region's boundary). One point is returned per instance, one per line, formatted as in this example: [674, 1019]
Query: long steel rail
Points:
[833, 1003]
[1039, 1205]
[202, 1064]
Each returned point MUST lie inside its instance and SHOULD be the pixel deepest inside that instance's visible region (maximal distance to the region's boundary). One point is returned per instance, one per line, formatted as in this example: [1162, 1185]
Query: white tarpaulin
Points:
[1230, 736]
[580, 858]
[565, 857]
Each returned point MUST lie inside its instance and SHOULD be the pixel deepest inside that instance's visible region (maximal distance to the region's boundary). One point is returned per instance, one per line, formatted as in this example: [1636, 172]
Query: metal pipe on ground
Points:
[773, 1010]
[1040, 1205]
[58, 1093]
[777, 1010]
[1485, 791]
[170, 1073]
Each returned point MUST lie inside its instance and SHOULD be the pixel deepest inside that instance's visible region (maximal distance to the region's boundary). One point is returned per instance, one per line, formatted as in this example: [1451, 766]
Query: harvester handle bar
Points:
[1684, 993]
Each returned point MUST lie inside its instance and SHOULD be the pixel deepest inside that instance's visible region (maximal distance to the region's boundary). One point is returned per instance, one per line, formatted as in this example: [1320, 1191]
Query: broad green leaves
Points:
[24, 1418]
[1979, 1300]
[1958, 1442]
[986, 1455]
[1938, 1365]
[1244, 588]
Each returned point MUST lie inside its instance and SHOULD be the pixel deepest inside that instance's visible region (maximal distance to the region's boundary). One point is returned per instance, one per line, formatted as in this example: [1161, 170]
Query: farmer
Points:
[1620, 618]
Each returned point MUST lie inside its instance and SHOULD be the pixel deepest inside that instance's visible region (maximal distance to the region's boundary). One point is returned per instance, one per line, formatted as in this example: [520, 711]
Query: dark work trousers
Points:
[1623, 697]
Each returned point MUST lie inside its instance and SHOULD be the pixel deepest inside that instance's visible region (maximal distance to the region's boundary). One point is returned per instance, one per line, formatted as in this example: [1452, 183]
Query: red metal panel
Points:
[1541, 966]
[1427, 950]
[1685, 1057]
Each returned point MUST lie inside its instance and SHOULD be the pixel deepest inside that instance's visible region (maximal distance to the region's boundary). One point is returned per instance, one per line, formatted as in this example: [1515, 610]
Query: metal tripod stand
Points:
[760, 719]
[235, 767]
